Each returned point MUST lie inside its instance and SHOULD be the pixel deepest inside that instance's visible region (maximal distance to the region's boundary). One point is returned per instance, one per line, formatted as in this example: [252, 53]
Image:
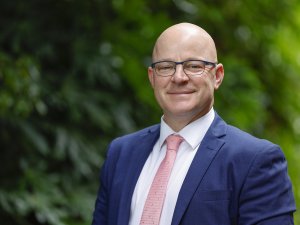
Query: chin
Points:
[181, 112]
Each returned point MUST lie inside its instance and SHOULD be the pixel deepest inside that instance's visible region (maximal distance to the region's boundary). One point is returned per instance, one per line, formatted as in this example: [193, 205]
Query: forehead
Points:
[183, 46]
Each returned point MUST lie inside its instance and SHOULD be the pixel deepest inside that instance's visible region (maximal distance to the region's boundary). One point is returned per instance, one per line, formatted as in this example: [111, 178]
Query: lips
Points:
[181, 92]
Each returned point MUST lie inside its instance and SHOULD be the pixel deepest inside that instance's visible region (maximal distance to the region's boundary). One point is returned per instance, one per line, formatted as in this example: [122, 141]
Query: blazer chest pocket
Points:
[209, 208]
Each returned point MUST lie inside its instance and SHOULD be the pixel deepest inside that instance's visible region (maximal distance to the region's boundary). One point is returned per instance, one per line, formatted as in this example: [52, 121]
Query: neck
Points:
[177, 123]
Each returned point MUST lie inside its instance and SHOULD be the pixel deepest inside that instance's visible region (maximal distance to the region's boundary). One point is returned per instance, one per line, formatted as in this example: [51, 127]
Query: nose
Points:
[179, 75]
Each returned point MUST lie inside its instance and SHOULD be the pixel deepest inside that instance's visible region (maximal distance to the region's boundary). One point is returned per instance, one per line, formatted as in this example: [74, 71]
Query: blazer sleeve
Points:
[101, 211]
[101, 205]
[266, 197]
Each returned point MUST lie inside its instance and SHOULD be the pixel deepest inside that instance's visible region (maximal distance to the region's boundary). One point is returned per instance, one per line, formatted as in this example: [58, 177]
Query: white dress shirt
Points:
[193, 134]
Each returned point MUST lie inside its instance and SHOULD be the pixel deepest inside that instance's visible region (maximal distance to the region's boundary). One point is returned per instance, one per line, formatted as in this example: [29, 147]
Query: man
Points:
[220, 176]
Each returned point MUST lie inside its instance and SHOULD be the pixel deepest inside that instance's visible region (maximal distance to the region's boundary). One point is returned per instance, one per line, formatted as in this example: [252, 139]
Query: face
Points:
[182, 97]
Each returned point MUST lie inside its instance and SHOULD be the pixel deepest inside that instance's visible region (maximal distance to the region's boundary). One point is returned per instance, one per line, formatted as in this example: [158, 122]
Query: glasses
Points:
[190, 67]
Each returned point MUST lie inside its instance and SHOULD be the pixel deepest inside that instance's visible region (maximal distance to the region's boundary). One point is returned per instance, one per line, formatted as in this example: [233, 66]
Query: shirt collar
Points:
[193, 133]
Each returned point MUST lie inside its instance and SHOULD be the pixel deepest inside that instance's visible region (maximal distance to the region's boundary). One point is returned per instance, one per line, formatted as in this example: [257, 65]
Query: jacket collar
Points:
[208, 149]
[139, 154]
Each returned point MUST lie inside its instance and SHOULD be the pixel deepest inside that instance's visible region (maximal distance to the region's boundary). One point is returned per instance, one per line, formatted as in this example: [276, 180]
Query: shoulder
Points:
[252, 148]
[136, 135]
[239, 142]
[235, 135]
[128, 141]
[240, 137]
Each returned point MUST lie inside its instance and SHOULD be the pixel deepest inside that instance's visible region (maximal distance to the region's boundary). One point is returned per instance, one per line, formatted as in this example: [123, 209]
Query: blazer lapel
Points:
[140, 153]
[207, 150]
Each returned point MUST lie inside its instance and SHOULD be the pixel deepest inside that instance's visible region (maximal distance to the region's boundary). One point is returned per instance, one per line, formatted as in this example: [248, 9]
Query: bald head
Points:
[183, 41]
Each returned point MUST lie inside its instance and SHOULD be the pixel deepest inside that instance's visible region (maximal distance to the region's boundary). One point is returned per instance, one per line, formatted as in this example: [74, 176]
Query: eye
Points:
[164, 66]
[194, 66]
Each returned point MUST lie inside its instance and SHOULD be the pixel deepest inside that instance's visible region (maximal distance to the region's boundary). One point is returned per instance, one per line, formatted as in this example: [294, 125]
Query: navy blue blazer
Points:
[234, 179]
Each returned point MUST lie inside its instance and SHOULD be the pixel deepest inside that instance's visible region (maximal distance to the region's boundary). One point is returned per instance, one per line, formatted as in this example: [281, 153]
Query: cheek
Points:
[159, 84]
[209, 83]
[205, 91]
[204, 83]
[159, 88]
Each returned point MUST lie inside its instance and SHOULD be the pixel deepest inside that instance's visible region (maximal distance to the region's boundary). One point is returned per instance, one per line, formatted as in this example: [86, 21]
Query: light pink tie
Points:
[156, 196]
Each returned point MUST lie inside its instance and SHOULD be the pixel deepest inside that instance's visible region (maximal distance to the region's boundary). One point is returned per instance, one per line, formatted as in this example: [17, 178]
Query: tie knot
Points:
[173, 142]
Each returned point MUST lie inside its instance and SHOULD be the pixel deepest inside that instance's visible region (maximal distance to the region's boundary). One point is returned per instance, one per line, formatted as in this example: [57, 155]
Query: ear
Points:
[219, 75]
[151, 76]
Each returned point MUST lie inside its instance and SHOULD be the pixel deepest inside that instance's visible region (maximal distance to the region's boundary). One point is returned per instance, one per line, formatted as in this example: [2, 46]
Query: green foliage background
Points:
[73, 75]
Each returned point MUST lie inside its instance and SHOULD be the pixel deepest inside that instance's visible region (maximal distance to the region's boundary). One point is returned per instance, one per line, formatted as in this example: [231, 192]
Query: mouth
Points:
[183, 92]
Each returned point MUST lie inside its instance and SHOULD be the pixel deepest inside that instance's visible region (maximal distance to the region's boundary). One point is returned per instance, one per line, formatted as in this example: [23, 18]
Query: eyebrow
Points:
[172, 60]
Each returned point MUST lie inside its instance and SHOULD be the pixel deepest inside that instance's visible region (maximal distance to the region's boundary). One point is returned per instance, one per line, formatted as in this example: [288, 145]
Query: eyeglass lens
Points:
[191, 67]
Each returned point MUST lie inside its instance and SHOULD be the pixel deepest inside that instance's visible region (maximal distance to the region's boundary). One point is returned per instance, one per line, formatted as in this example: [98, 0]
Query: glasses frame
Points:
[206, 63]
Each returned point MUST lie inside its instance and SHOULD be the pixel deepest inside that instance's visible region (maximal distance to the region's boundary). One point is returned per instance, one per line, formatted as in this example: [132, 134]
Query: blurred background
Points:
[73, 75]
